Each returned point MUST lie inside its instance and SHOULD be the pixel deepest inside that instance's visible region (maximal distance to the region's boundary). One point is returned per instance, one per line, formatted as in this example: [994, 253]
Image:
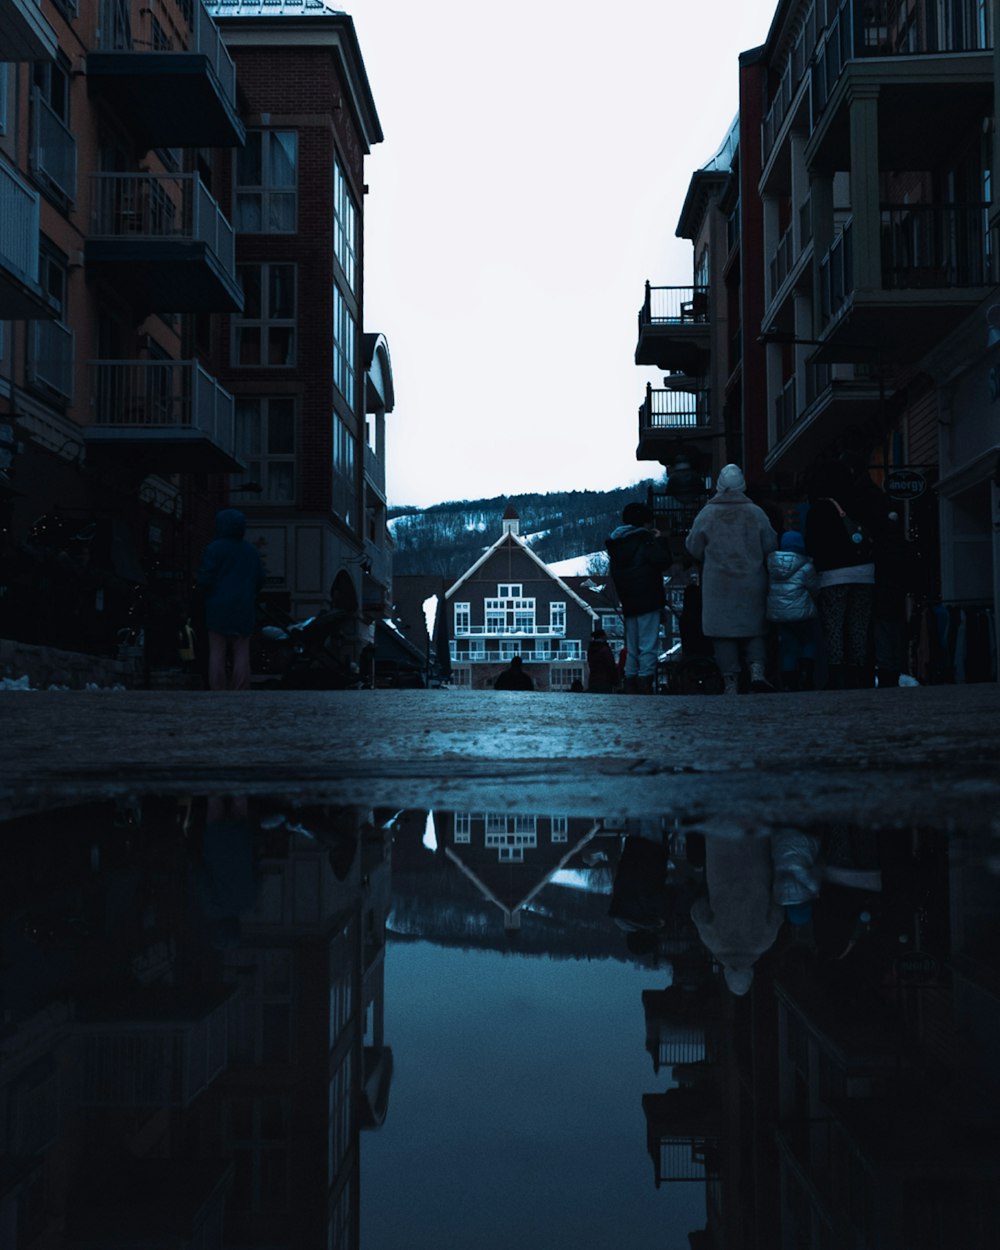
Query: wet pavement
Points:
[387, 971]
[892, 755]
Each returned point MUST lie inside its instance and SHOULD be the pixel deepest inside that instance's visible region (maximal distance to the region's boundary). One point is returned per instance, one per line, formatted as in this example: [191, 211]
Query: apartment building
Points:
[175, 247]
[860, 287]
[311, 389]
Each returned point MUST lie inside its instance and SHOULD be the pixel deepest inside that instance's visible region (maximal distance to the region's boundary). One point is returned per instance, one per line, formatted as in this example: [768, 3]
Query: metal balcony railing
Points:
[50, 357]
[53, 148]
[836, 275]
[510, 631]
[160, 206]
[780, 263]
[674, 305]
[673, 410]
[882, 28]
[934, 245]
[139, 26]
[154, 394]
[495, 655]
[18, 226]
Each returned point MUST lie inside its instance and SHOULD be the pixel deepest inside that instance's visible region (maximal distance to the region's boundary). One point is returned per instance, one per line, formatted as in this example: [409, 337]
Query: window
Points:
[477, 649]
[560, 828]
[563, 678]
[462, 618]
[3, 97]
[53, 147]
[511, 590]
[266, 183]
[265, 442]
[557, 617]
[461, 677]
[344, 226]
[569, 650]
[344, 490]
[495, 616]
[343, 346]
[524, 615]
[463, 827]
[50, 343]
[510, 648]
[265, 334]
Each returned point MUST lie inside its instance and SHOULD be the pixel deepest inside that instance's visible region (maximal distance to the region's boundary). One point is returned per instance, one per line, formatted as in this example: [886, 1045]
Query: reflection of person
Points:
[601, 663]
[738, 920]
[637, 560]
[731, 537]
[230, 576]
[514, 677]
[793, 585]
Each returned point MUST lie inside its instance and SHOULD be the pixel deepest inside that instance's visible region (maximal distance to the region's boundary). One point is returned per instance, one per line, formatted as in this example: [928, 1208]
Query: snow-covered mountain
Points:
[561, 526]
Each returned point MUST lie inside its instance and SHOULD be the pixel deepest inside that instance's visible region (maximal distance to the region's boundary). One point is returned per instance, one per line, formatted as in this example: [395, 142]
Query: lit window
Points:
[266, 183]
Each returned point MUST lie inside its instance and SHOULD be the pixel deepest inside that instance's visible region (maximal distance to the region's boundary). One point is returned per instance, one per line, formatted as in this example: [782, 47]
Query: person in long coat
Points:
[731, 538]
[230, 576]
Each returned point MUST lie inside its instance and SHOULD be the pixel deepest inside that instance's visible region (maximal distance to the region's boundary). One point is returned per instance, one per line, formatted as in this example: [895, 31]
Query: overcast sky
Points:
[535, 161]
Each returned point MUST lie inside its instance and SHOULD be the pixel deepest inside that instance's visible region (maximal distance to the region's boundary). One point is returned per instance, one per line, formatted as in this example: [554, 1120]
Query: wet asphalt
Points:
[898, 757]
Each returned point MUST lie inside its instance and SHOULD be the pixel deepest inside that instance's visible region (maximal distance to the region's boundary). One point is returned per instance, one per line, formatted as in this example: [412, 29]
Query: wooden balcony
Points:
[167, 74]
[161, 416]
[674, 329]
[25, 35]
[162, 242]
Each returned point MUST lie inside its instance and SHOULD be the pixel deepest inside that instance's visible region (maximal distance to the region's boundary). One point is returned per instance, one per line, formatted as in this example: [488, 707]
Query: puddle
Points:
[243, 1022]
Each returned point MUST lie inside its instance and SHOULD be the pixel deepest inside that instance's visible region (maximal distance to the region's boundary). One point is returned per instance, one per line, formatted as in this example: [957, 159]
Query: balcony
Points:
[25, 35]
[21, 297]
[163, 243]
[52, 155]
[529, 630]
[674, 329]
[161, 416]
[817, 403]
[569, 654]
[934, 271]
[669, 418]
[931, 65]
[167, 73]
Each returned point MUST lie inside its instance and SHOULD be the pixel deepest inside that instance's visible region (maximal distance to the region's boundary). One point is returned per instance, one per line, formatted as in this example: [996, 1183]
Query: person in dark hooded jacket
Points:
[638, 557]
[230, 576]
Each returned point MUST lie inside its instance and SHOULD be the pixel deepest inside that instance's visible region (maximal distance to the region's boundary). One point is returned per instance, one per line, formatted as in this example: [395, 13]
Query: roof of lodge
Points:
[272, 8]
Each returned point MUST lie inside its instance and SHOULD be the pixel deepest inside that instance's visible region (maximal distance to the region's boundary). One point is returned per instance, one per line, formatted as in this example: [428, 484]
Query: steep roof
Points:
[512, 538]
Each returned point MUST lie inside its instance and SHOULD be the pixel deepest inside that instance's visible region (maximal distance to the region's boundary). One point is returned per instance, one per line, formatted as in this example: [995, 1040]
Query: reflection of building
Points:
[193, 1034]
[849, 1099]
[509, 603]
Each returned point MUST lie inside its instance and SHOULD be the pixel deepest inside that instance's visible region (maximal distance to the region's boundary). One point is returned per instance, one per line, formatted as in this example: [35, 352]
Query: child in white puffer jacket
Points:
[793, 585]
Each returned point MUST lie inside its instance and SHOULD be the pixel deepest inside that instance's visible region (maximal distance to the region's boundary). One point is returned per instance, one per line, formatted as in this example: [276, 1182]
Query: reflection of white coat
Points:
[738, 921]
[732, 537]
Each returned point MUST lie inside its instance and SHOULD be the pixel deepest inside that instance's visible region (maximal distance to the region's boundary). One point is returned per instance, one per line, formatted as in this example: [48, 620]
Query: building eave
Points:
[537, 559]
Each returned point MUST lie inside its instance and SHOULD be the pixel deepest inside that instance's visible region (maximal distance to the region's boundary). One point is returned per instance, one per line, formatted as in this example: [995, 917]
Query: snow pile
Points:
[575, 566]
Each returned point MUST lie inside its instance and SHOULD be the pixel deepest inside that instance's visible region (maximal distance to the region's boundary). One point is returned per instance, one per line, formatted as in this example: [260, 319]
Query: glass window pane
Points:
[248, 345]
[281, 345]
[281, 482]
[282, 152]
[248, 213]
[282, 292]
[247, 427]
[249, 279]
[281, 427]
[281, 215]
[248, 161]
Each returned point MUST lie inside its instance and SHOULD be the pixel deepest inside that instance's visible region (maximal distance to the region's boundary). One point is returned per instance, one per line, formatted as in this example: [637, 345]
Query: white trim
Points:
[509, 537]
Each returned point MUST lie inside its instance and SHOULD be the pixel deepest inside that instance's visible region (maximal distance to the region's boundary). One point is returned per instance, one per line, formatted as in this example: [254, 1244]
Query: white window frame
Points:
[463, 828]
[557, 615]
[563, 678]
[267, 192]
[344, 345]
[345, 227]
[463, 619]
[559, 828]
[569, 649]
[265, 323]
[259, 460]
[509, 590]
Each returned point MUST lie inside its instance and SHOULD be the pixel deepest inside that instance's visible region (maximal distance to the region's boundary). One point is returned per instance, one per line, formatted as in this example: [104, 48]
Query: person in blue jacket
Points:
[230, 577]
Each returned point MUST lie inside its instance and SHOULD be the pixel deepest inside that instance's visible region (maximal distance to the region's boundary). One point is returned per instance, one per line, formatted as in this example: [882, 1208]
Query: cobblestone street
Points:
[929, 755]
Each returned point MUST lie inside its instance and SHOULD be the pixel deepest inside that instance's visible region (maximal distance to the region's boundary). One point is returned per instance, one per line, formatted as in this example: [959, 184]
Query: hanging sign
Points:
[905, 484]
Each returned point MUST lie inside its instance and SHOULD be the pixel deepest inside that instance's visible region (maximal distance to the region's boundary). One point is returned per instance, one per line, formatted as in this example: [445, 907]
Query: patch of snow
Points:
[575, 566]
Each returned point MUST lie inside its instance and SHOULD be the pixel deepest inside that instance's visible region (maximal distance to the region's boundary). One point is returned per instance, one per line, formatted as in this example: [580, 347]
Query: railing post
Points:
[647, 302]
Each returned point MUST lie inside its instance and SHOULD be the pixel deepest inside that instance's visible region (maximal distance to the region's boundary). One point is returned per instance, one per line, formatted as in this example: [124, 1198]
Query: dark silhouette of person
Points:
[514, 677]
[601, 663]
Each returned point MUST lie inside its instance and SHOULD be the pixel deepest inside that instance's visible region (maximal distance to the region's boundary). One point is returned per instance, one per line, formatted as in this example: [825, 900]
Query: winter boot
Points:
[731, 683]
[647, 685]
[758, 681]
[630, 685]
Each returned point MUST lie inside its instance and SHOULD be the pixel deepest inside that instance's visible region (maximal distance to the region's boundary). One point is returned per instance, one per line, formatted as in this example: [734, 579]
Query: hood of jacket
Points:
[627, 531]
[230, 523]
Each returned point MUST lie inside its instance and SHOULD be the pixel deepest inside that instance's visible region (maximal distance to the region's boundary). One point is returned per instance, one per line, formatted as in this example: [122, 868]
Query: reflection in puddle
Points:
[602, 1032]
